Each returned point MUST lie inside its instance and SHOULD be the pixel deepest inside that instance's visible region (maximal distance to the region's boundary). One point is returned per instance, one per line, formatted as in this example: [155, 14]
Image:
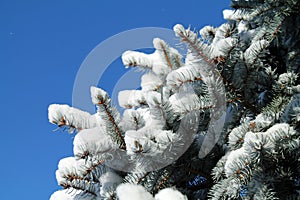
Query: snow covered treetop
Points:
[225, 113]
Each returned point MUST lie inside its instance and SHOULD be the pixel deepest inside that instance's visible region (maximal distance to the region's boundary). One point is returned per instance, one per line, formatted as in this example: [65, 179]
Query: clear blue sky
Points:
[42, 45]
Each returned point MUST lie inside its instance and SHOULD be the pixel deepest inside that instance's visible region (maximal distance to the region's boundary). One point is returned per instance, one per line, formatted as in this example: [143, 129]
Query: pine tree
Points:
[231, 105]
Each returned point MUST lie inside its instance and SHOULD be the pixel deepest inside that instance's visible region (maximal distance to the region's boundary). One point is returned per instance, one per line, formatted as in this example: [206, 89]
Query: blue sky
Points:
[42, 45]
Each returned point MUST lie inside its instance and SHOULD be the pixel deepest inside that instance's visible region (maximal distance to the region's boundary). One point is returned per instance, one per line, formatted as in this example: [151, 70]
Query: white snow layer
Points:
[236, 160]
[109, 180]
[66, 166]
[227, 14]
[154, 142]
[130, 58]
[170, 194]
[131, 98]
[129, 191]
[207, 32]
[185, 102]
[99, 96]
[150, 82]
[69, 116]
[71, 194]
[146, 61]
[94, 141]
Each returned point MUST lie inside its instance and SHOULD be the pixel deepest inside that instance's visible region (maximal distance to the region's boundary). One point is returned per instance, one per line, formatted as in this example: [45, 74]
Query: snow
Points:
[160, 67]
[71, 194]
[237, 15]
[262, 121]
[158, 43]
[146, 61]
[70, 166]
[99, 96]
[143, 60]
[94, 141]
[131, 98]
[153, 148]
[243, 26]
[235, 186]
[65, 166]
[150, 82]
[69, 116]
[236, 160]
[287, 79]
[253, 51]
[129, 191]
[131, 120]
[109, 180]
[169, 56]
[153, 98]
[207, 32]
[143, 140]
[187, 73]
[222, 47]
[61, 195]
[227, 14]
[253, 143]
[221, 32]
[185, 102]
[180, 30]
[170, 194]
[237, 133]
[244, 32]
[280, 131]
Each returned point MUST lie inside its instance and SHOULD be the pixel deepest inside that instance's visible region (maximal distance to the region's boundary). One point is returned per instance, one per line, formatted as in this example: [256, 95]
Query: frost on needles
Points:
[220, 122]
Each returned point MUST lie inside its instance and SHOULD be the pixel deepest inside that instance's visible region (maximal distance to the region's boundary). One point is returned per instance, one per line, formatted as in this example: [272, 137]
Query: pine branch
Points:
[132, 99]
[135, 178]
[116, 128]
[91, 168]
[72, 118]
[165, 53]
[162, 182]
[70, 186]
[151, 82]
[191, 39]
[101, 100]
[185, 74]
[252, 53]
[136, 59]
[168, 54]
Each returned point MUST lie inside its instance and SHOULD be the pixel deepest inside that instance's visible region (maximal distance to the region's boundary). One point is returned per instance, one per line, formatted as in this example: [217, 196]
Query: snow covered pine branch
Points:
[220, 122]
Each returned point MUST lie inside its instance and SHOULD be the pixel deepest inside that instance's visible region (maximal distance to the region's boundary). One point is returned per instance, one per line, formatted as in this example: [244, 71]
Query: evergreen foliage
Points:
[230, 106]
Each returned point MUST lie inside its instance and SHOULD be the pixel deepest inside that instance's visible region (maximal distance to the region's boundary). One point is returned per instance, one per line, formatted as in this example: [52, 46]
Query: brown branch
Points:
[275, 32]
[135, 64]
[112, 120]
[112, 196]
[163, 181]
[89, 170]
[136, 123]
[73, 176]
[178, 60]
[66, 186]
[166, 56]
[141, 178]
